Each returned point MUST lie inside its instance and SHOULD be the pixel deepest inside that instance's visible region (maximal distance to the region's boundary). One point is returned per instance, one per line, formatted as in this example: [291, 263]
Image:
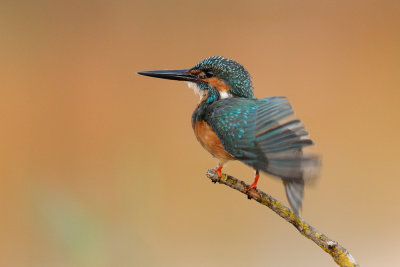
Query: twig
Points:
[341, 255]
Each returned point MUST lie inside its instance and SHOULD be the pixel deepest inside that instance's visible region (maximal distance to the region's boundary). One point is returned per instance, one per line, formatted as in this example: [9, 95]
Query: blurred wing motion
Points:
[252, 131]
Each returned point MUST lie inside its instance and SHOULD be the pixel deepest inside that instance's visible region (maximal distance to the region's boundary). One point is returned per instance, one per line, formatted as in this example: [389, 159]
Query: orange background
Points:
[99, 166]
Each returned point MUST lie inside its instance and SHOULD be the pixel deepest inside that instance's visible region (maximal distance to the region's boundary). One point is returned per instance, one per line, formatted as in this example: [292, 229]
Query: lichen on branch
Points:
[341, 255]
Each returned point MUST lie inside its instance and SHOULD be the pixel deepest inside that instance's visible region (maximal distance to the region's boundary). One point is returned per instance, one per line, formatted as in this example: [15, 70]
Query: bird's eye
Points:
[206, 74]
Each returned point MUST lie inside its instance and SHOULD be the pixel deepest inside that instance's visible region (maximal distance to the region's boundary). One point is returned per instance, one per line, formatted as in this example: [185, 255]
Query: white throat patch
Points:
[197, 89]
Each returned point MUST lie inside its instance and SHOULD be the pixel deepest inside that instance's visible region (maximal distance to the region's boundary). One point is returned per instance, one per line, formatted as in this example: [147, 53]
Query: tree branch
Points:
[341, 255]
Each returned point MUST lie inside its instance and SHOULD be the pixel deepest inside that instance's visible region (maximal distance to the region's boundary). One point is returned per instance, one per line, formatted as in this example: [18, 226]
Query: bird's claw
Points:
[250, 187]
[218, 170]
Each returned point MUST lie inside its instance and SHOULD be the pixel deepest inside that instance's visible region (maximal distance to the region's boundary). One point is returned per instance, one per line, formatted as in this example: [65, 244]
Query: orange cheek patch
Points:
[217, 83]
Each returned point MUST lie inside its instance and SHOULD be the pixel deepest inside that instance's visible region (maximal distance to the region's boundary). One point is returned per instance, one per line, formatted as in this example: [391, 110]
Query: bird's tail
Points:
[294, 193]
[295, 170]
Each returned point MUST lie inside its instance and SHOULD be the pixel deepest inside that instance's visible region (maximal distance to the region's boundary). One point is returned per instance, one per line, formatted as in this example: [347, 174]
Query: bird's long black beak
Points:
[180, 75]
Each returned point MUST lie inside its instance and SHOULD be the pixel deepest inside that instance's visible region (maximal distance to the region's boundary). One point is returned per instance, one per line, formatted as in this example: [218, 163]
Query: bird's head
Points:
[217, 73]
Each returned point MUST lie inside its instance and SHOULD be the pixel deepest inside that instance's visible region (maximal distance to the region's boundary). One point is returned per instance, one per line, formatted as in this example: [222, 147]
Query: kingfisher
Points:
[231, 124]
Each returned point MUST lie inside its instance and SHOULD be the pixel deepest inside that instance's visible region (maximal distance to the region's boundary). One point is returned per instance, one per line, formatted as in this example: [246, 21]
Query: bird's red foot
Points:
[218, 170]
[254, 184]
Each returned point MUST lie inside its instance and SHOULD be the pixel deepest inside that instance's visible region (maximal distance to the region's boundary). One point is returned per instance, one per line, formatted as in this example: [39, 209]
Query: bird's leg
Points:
[254, 184]
[218, 169]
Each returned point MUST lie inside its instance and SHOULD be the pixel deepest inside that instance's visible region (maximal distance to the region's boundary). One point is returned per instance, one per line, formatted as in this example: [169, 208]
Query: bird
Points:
[231, 124]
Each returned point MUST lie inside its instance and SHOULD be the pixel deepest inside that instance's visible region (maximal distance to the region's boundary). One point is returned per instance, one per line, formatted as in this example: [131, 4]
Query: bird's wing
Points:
[252, 131]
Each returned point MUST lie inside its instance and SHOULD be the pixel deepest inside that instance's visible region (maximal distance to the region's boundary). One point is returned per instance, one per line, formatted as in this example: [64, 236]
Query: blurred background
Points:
[100, 167]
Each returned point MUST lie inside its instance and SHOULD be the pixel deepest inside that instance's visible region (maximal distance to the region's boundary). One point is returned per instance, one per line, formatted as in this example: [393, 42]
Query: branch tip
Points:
[340, 255]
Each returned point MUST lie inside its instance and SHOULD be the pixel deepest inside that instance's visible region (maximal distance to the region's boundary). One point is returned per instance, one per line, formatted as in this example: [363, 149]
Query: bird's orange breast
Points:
[210, 141]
